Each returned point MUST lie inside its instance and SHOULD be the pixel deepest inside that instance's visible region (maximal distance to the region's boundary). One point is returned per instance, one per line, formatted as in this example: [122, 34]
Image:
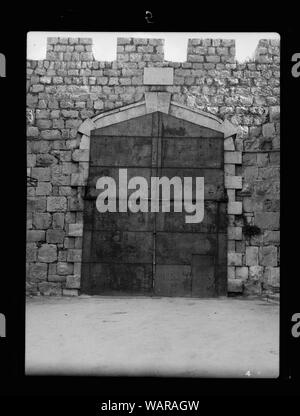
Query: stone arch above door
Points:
[158, 101]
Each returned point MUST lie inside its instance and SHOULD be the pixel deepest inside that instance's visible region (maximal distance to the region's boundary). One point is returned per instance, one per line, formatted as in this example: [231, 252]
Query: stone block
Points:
[272, 276]
[59, 178]
[233, 182]
[70, 292]
[233, 157]
[77, 268]
[43, 113]
[45, 160]
[56, 203]
[250, 173]
[268, 130]
[45, 80]
[31, 289]
[47, 253]
[44, 124]
[275, 158]
[62, 255]
[69, 242]
[85, 142]
[272, 205]
[50, 289]
[249, 159]
[271, 237]
[231, 245]
[72, 124]
[252, 288]
[268, 256]
[86, 41]
[102, 80]
[32, 132]
[269, 173]
[73, 282]
[229, 144]
[211, 58]
[40, 146]
[235, 286]
[241, 273]
[43, 189]
[56, 278]
[81, 155]
[252, 205]
[158, 76]
[234, 208]
[256, 272]
[35, 235]
[75, 204]
[267, 220]
[274, 113]
[58, 220]
[41, 174]
[37, 272]
[52, 41]
[74, 255]
[52, 268]
[41, 221]
[251, 256]
[31, 252]
[230, 195]
[234, 259]
[234, 233]
[51, 134]
[36, 204]
[55, 236]
[78, 242]
[98, 104]
[65, 190]
[230, 272]
[78, 179]
[31, 160]
[262, 159]
[64, 268]
[229, 169]
[75, 230]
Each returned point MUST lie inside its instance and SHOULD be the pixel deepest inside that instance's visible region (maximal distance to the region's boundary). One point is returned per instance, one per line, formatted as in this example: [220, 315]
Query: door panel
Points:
[97, 172]
[175, 221]
[213, 180]
[173, 280]
[122, 247]
[178, 248]
[192, 153]
[203, 276]
[122, 151]
[141, 126]
[126, 221]
[114, 279]
[175, 127]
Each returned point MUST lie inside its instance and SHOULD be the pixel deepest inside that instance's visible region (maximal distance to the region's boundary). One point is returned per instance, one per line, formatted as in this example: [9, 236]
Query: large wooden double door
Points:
[156, 253]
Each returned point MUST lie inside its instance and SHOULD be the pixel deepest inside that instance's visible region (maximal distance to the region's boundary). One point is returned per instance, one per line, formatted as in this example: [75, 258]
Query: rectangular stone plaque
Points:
[158, 76]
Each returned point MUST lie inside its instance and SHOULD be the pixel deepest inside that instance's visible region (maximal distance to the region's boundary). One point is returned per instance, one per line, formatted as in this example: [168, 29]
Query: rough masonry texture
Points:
[70, 86]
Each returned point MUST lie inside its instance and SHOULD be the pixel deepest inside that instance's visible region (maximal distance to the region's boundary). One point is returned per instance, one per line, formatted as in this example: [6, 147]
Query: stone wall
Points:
[70, 86]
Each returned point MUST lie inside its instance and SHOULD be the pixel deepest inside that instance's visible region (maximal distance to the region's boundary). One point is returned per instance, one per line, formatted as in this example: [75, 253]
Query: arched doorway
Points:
[157, 253]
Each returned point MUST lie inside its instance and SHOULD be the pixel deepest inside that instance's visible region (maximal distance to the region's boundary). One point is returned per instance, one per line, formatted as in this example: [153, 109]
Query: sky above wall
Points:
[105, 43]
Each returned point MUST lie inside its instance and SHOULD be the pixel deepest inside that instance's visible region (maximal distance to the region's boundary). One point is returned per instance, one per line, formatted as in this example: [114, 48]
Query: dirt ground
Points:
[143, 336]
